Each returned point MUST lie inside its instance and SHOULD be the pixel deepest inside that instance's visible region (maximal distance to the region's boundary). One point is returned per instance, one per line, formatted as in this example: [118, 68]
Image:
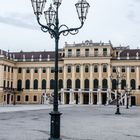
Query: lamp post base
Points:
[118, 110]
[127, 107]
[55, 126]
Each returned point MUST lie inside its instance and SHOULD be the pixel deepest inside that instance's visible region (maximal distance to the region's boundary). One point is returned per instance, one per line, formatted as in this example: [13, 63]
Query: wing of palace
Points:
[88, 74]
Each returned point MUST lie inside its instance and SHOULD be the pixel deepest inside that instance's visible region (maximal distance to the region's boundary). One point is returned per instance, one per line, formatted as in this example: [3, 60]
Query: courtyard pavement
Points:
[78, 122]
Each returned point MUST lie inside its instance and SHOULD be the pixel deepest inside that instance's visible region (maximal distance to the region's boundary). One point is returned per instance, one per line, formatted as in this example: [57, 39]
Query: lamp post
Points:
[55, 30]
[118, 82]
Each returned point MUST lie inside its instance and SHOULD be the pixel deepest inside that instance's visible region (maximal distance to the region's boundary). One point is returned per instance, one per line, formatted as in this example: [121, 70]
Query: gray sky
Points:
[115, 20]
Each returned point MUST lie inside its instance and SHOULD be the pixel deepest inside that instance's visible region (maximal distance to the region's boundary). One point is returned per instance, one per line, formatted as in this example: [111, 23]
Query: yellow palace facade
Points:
[88, 74]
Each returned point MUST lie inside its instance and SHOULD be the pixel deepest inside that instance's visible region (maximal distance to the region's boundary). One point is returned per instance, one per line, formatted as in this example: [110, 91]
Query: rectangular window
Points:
[69, 52]
[114, 69]
[96, 52]
[69, 69]
[123, 69]
[27, 70]
[104, 51]
[8, 84]
[8, 68]
[132, 69]
[11, 84]
[12, 69]
[35, 70]
[4, 83]
[44, 70]
[60, 70]
[77, 52]
[4, 67]
[19, 70]
[52, 69]
[86, 52]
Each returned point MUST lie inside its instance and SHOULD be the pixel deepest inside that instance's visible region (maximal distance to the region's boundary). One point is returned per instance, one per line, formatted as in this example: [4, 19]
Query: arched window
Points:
[69, 69]
[123, 84]
[43, 84]
[52, 84]
[27, 84]
[86, 69]
[19, 85]
[69, 84]
[86, 84]
[96, 68]
[35, 84]
[60, 83]
[77, 84]
[114, 84]
[133, 84]
[104, 84]
[77, 68]
[95, 83]
[105, 68]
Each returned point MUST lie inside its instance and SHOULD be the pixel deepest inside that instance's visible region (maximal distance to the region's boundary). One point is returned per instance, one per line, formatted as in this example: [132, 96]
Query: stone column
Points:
[65, 76]
[73, 77]
[100, 75]
[108, 96]
[80, 96]
[62, 96]
[137, 78]
[23, 78]
[48, 77]
[128, 76]
[82, 76]
[109, 74]
[119, 86]
[91, 77]
[125, 100]
[71, 96]
[115, 94]
[99, 97]
[10, 77]
[32, 78]
[6, 76]
[15, 71]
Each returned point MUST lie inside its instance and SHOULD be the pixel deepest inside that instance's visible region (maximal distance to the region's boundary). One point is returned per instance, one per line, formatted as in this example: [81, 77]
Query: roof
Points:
[130, 52]
[30, 55]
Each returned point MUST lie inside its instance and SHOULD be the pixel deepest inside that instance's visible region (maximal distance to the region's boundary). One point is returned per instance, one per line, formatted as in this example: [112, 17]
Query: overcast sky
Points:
[115, 20]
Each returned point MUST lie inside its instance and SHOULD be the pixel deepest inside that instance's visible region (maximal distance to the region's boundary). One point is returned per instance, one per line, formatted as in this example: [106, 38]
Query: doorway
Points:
[94, 99]
[133, 100]
[85, 98]
[104, 98]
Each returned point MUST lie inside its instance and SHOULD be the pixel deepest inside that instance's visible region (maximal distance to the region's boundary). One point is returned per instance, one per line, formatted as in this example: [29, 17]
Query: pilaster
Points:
[39, 78]
[82, 76]
[73, 76]
[137, 77]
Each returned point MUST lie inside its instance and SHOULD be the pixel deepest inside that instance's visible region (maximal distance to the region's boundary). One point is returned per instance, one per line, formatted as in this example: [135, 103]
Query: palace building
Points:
[89, 73]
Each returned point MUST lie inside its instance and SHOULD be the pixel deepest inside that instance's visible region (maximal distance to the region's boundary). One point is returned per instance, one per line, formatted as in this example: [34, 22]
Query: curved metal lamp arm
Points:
[45, 28]
[69, 30]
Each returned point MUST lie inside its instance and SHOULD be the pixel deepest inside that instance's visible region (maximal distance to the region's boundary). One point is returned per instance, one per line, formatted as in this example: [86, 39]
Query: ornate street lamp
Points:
[118, 82]
[55, 30]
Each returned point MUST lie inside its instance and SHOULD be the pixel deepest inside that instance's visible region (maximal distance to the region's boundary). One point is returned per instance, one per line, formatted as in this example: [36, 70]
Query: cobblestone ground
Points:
[79, 122]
